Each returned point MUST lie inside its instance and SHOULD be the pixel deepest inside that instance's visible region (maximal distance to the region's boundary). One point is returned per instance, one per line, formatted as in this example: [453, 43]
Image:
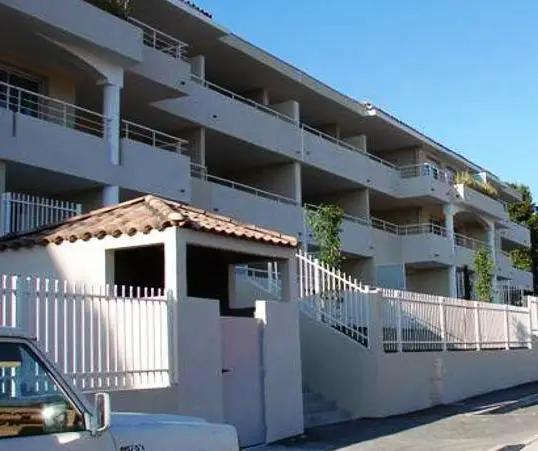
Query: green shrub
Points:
[467, 179]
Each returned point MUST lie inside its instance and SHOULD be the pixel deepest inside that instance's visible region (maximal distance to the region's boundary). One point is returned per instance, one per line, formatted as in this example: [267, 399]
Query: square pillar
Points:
[198, 66]
[449, 212]
[111, 113]
[289, 279]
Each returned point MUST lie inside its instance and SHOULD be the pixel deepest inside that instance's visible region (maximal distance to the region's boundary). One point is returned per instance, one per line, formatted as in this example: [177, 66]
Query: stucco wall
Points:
[276, 178]
[281, 355]
[428, 280]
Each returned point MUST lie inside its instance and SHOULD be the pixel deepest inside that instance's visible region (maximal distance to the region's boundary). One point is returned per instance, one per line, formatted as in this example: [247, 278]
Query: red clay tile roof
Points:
[143, 215]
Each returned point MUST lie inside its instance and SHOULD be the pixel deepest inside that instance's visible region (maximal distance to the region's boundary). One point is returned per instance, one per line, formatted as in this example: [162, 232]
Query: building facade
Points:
[99, 107]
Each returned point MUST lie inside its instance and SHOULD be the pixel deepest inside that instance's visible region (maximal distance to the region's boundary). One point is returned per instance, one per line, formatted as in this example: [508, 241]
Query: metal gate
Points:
[242, 379]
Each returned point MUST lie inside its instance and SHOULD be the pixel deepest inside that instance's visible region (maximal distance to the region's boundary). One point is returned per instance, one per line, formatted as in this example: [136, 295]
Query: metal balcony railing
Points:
[161, 41]
[154, 138]
[51, 110]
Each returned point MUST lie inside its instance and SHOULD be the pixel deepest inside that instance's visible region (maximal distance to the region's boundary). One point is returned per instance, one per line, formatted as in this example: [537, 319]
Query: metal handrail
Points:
[346, 216]
[347, 145]
[241, 98]
[161, 41]
[425, 170]
[469, 242]
[154, 138]
[200, 171]
[52, 110]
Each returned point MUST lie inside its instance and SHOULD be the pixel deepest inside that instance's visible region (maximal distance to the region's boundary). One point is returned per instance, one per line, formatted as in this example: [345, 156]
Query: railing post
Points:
[399, 343]
[477, 331]
[442, 323]
[507, 326]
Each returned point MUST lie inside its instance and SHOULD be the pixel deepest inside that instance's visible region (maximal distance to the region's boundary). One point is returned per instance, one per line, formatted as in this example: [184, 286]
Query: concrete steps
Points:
[319, 411]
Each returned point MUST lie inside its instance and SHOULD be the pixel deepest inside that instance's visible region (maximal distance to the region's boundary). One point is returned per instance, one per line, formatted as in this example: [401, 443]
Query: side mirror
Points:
[102, 412]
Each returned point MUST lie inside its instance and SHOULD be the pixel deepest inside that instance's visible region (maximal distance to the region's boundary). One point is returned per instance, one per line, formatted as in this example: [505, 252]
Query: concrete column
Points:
[198, 66]
[260, 95]
[3, 174]
[492, 243]
[197, 146]
[449, 213]
[359, 141]
[290, 108]
[331, 129]
[111, 111]
[297, 177]
[111, 195]
[289, 280]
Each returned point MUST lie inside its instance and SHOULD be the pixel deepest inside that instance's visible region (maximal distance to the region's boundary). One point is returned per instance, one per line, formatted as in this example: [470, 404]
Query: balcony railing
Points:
[346, 216]
[154, 138]
[409, 229]
[425, 170]
[160, 41]
[21, 213]
[52, 110]
[469, 242]
[200, 172]
[235, 96]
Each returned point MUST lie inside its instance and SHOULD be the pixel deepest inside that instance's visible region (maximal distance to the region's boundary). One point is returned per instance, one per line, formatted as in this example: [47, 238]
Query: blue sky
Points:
[463, 72]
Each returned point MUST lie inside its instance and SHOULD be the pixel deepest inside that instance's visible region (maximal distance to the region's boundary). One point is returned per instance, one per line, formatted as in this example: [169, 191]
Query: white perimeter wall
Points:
[372, 383]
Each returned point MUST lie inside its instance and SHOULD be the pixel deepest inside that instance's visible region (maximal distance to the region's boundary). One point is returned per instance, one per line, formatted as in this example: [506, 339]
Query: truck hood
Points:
[158, 432]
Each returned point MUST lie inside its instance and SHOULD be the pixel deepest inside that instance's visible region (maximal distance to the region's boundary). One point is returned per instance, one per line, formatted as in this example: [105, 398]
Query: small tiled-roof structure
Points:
[143, 215]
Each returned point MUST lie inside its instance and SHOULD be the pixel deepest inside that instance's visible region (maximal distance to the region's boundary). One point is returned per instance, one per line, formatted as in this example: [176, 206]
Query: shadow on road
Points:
[357, 431]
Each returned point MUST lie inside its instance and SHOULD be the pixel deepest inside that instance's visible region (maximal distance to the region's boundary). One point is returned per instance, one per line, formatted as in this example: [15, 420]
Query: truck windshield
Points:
[31, 403]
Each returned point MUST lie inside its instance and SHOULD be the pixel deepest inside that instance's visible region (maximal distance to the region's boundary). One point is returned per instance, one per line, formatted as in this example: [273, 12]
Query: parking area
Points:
[506, 420]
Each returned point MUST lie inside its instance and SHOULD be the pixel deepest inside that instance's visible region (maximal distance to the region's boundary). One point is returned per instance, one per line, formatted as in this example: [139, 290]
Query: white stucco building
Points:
[96, 109]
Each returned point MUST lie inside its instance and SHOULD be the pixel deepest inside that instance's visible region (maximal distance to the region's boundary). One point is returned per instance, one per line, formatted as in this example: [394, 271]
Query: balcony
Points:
[423, 180]
[516, 233]
[246, 203]
[20, 213]
[164, 57]
[418, 243]
[481, 203]
[356, 235]
[505, 267]
[328, 153]
[222, 110]
[521, 278]
[41, 131]
[76, 22]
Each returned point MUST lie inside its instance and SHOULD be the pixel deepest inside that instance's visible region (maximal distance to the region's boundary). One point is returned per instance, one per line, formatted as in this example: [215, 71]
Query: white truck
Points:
[41, 410]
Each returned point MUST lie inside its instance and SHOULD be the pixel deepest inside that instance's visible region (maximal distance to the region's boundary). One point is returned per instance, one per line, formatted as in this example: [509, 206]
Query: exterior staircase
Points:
[318, 411]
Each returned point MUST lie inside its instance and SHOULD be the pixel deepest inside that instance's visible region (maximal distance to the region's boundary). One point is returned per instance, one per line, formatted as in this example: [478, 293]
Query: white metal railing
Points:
[51, 110]
[200, 171]
[426, 170]
[154, 138]
[347, 146]
[328, 295]
[469, 242]
[419, 322]
[161, 41]
[268, 279]
[21, 213]
[409, 229]
[234, 96]
[106, 338]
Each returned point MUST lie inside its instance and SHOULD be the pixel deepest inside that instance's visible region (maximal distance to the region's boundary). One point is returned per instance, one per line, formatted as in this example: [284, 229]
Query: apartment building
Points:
[97, 108]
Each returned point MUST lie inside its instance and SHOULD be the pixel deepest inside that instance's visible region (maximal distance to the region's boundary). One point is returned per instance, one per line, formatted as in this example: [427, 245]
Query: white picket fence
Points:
[330, 296]
[21, 213]
[420, 322]
[106, 338]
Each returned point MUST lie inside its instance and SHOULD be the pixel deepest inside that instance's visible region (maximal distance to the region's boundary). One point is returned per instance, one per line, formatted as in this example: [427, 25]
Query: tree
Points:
[484, 271]
[326, 221]
[525, 213]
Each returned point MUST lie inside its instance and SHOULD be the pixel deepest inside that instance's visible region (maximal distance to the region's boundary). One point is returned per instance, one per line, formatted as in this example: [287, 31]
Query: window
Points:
[17, 92]
[31, 403]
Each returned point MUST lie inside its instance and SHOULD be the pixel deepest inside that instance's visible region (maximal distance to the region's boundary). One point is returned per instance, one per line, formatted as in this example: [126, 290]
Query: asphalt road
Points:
[506, 420]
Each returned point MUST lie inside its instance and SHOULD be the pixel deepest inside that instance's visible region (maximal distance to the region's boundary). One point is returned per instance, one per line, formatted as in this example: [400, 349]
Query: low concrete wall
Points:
[372, 383]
